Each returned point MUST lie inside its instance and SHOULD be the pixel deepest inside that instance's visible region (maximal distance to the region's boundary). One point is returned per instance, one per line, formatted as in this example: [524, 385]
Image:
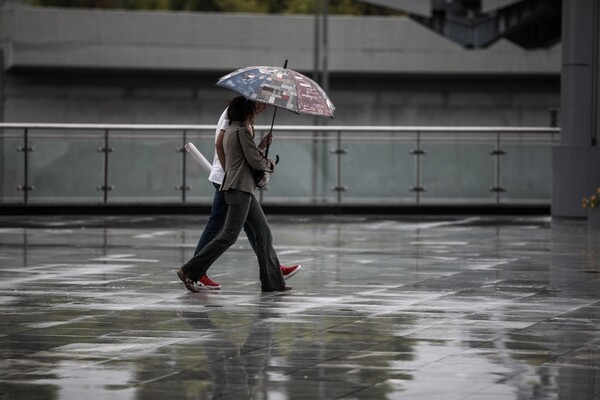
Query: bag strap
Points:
[239, 141]
[237, 133]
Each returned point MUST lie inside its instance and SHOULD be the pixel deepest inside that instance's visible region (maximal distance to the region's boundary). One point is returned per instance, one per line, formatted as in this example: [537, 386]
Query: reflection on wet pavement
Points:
[383, 308]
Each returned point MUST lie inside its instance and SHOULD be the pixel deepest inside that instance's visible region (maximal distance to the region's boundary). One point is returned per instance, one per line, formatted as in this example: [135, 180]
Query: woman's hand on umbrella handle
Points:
[266, 141]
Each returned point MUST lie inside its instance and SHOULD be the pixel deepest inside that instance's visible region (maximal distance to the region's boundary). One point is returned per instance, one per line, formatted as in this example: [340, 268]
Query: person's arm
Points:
[253, 154]
[219, 147]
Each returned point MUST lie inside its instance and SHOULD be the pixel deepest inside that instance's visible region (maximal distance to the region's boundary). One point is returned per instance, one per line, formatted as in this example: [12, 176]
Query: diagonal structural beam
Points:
[528, 23]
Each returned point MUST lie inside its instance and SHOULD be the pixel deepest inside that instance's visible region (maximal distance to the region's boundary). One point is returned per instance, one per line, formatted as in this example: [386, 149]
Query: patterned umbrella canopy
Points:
[280, 87]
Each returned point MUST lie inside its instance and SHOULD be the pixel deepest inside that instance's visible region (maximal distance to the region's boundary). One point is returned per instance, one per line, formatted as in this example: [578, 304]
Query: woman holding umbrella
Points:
[242, 155]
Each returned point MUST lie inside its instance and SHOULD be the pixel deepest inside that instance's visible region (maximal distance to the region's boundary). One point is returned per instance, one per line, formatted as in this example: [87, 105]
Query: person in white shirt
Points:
[218, 211]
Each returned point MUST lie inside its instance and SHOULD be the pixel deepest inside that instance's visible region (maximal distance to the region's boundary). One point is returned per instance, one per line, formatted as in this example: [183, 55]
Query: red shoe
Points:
[288, 272]
[206, 283]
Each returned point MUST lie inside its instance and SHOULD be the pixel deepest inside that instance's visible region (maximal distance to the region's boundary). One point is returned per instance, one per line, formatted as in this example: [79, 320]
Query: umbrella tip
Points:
[285, 63]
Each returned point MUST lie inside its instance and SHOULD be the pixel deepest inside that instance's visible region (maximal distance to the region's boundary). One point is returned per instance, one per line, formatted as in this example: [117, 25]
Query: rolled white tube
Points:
[196, 155]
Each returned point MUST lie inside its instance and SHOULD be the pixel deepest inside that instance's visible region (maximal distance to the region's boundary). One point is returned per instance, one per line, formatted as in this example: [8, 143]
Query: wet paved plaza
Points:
[414, 308]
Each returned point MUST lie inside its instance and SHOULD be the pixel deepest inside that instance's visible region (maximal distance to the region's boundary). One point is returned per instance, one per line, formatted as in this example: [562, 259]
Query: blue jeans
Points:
[242, 208]
[216, 221]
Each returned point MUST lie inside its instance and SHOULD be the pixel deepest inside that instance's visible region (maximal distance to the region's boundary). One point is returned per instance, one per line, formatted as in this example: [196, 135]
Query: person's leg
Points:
[238, 205]
[271, 277]
[216, 220]
[251, 237]
[287, 271]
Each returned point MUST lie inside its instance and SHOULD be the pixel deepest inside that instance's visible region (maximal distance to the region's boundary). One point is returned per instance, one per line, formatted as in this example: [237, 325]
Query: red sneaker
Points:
[290, 271]
[206, 283]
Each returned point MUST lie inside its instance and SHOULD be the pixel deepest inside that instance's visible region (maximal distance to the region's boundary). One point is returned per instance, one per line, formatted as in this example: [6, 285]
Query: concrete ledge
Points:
[178, 209]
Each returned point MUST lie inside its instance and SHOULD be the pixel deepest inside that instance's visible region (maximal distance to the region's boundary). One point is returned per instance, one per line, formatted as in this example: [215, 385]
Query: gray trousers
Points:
[242, 207]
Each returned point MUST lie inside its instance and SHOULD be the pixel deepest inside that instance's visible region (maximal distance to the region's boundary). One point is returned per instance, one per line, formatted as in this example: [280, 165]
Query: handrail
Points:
[290, 128]
[427, 133]
[132, 127]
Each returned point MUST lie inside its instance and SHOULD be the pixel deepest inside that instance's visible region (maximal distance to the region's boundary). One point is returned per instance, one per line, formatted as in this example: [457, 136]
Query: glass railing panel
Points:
[200, 189]
[526, 172]
[306, 170]
[380, 171]
[65, 167]
[457, 173]
[11, 166]
[145, 168]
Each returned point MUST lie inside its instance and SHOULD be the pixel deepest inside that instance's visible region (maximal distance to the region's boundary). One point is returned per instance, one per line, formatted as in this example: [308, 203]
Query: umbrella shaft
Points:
[272, 124]
[274, 114]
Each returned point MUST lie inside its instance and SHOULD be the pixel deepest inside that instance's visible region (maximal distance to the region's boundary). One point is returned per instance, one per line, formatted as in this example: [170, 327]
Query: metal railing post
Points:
[418, 152]
[183, 187]
[339, 152]
[497, 153]
[105, 149]
[314, 170]
[26, 149]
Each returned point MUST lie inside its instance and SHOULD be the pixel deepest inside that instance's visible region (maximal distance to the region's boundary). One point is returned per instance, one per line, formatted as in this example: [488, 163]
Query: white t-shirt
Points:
[217, 173]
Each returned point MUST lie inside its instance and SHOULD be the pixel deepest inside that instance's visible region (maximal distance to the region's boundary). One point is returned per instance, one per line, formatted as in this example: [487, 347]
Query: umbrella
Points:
[280, 87]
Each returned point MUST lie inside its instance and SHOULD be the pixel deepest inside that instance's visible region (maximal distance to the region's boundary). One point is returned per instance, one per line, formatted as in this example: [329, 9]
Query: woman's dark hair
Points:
[240, 109]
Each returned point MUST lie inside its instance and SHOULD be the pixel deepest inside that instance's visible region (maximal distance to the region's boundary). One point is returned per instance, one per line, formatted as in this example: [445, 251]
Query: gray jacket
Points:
[238, 160]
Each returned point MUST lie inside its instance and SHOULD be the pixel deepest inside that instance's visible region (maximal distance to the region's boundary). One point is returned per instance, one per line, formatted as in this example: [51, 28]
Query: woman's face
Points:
[252, 118]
